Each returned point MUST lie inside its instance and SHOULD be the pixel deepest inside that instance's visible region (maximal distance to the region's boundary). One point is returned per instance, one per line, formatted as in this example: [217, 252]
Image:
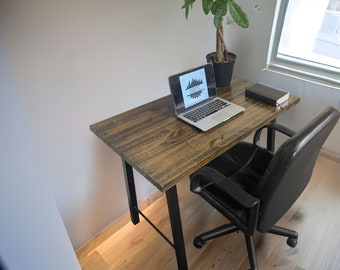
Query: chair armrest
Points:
[207, 176]
[273, 125]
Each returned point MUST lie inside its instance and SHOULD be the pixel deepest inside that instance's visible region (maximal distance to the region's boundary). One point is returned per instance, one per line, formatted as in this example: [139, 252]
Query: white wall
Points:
[32, 232]
[76, 62]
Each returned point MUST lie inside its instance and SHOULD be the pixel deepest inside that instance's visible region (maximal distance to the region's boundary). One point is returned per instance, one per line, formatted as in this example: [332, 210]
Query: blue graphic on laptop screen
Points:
[194, 87]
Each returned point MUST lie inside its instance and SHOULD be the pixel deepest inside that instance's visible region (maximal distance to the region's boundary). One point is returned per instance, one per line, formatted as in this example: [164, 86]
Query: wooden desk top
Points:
[165, 150]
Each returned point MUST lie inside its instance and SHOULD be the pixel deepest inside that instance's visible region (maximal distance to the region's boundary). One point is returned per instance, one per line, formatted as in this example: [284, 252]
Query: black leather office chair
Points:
[253, 187]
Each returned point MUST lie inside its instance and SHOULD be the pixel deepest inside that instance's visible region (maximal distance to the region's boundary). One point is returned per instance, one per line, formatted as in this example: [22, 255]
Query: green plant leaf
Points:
[187, 5]
[219, 10]
[218, 6]
[239, 16]
[206, 5]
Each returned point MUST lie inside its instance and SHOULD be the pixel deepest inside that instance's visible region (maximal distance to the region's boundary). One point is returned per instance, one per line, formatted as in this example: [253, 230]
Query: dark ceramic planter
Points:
[223, 71]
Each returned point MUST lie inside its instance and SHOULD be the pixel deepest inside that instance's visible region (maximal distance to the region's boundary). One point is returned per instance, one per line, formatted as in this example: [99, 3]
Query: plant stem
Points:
[221, 46]
[225, 48]
[219, 50]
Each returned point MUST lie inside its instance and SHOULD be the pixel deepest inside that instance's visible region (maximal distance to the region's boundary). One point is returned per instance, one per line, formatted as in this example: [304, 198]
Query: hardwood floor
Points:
[316, 217]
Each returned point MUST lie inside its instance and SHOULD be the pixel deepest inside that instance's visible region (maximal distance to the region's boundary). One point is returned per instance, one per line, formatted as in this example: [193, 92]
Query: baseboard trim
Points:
[330, 155]
[115, 226]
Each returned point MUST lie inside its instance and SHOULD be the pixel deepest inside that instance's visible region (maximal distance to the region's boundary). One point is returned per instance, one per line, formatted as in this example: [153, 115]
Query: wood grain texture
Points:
[315, 215]
[165, 150]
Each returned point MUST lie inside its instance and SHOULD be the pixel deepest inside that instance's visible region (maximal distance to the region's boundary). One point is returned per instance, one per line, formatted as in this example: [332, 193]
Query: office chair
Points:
[254, 187]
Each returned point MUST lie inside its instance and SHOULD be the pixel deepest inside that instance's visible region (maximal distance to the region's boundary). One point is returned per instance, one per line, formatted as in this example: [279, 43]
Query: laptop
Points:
[195, 98]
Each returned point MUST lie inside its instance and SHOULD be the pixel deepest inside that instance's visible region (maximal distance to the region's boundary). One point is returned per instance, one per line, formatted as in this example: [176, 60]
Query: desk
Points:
[165, 150]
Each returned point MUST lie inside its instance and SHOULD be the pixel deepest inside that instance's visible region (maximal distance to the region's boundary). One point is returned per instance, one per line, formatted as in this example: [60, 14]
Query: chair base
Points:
[292, 235]
[201, 239]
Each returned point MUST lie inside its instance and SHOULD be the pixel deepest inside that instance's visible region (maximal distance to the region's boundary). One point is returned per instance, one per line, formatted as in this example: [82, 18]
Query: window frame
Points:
[297, 67]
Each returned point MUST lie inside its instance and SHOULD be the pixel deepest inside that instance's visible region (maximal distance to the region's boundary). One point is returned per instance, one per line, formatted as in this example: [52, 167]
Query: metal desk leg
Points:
[271, 138]
[176, 226]
[131, 191]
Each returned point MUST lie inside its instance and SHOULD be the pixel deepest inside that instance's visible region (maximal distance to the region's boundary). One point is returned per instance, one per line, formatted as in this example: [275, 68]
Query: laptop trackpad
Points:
[220, 116]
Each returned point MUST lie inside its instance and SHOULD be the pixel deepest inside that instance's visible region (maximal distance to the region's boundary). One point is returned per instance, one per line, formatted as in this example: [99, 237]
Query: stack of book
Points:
[267, 94]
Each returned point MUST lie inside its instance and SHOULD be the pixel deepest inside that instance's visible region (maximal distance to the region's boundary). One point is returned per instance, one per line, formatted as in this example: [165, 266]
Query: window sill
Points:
[304, 75]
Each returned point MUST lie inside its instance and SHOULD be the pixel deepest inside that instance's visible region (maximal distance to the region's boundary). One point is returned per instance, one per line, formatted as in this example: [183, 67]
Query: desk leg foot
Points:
[176, 226]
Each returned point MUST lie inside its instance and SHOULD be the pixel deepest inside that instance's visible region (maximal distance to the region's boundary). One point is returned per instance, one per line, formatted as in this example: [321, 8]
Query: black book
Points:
[267, 94]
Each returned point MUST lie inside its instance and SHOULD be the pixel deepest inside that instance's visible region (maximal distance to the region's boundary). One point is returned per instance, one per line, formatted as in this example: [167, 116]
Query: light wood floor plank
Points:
[316, 217]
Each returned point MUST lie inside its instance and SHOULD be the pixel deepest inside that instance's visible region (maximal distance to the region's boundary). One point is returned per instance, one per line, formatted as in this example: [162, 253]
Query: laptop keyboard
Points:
[205, 110]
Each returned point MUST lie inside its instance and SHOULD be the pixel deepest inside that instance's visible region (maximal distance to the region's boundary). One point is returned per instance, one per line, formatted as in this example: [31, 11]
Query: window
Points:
[306, 40]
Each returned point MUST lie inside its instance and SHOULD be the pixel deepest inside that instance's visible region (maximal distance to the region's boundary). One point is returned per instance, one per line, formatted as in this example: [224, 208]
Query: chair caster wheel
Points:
[198, 242]
[292, 242]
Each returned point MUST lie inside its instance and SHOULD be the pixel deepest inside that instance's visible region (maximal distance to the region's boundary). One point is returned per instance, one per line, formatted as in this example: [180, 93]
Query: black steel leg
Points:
[174, 214]
[131, 192]
[283, 232]
[271, 138]
[251, 252]
[176, 226]
[217, 232]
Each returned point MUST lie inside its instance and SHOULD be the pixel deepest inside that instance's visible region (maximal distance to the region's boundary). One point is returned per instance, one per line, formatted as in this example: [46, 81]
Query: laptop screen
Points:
[192, 87]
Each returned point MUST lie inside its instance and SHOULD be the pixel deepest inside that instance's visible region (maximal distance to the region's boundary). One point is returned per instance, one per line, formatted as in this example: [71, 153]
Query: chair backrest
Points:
[291, 168]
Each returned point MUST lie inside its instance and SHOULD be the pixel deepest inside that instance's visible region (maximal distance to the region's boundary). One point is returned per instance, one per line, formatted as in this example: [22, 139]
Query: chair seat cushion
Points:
[241, 164]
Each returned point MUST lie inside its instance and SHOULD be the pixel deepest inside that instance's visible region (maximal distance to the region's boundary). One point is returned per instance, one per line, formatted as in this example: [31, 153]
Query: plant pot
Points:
[224, 70]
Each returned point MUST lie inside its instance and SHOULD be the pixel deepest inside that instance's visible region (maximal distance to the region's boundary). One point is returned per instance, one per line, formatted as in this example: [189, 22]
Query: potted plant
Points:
[222, 59]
